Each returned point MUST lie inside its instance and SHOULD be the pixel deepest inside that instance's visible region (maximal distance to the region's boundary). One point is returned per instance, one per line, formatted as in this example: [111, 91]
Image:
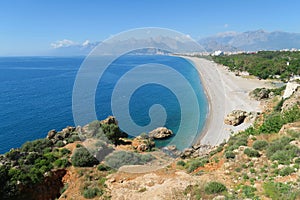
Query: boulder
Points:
[236, 117]
[293, 100]
[109, 120]
[51, 134]
[260, 93]
[141, 144]
[160, 133]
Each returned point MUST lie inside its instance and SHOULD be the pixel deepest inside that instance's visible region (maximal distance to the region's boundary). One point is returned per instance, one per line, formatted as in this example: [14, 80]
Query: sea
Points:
[36, 96]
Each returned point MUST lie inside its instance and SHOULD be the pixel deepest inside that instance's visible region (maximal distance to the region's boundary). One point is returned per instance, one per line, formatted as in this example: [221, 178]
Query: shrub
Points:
[194, 164]
[181, 163]
[286, 171]
[194, 191]
[103, 167]
[91, 193]
[278, 191]
[214, 188]
[229, 155]
[120, 158]
[65, 151]
[251, 152]
[260, 145]
[83, 158]
[36, 145]
[248, 191]
[62, 163]
[59, 143]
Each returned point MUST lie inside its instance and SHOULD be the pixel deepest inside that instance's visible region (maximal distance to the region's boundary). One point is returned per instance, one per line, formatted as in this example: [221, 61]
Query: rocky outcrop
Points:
[109, 120]
[66, 135]
[291, 87]
[292, 101]
[160, 133]
[142, 144]
[261, 93]
[291, 127]
[196, 151]
[49, 188]
[236, 117]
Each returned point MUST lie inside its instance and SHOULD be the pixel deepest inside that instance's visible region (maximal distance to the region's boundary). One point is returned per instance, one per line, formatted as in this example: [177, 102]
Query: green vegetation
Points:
[274, 121]
[91, 193]
[83, 158]
[278, 191]
[195, 163]
[264, 64]
[251, 152]
[214, 188]
[282, 151]
[260, 145]
[120, 158]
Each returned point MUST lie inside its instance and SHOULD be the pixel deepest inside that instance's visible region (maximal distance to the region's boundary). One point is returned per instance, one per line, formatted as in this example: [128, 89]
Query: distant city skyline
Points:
[36, 27]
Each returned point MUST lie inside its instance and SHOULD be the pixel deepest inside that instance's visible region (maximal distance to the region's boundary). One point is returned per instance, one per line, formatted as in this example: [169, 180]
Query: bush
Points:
[62, 163]
[229, 155]
[120, 158]
[278, 191]
[248, 191]
[91, 193]
[286, 171]
[194, 164]
[251, 152]
[215, 188]
[36, 145]
[282, 151]
[103, 167]
[83, 158]
[59, 143]
[260, 145]
[65, 151]
[194, 191]
[181, 163]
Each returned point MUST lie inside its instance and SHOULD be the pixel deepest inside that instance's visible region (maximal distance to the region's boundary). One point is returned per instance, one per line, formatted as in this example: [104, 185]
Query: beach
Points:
[225, 92]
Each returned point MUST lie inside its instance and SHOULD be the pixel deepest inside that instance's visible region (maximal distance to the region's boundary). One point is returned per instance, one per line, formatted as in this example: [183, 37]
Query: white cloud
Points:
[86, 43]
[63, 43]
[226, 25]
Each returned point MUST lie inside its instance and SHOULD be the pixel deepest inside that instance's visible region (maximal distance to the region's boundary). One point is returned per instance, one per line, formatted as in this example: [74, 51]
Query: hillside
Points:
[264, 64]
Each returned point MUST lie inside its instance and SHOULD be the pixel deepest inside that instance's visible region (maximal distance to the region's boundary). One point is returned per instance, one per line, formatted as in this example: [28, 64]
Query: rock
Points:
[291, 127]
[109, 120]
[260, 93]
[172, 147]
[141, 144]
[67, 131]
[235, 118]
[220, 197]
[196, 146]
[292, 101]
[160, 133]
[51, 134]
[295, 143]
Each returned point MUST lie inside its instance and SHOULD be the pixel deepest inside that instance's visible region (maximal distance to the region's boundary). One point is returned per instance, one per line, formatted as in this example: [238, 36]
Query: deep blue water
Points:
[36, 95]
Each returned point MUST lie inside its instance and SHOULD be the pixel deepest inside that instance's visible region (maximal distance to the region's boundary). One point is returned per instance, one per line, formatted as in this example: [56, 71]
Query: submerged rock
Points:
[160, 133]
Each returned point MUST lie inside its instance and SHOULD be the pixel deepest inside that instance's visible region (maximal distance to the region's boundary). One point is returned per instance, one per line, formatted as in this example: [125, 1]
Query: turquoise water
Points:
[36, 96]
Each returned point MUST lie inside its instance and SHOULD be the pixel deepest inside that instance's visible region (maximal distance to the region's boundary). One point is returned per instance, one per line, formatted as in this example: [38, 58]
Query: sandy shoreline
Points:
[225, 92]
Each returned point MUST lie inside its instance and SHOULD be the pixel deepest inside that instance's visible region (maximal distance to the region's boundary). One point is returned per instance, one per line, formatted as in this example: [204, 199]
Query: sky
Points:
[30, 27]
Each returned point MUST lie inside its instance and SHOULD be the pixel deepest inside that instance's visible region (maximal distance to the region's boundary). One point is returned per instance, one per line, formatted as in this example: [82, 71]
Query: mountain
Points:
[251, 41]
[174, 44]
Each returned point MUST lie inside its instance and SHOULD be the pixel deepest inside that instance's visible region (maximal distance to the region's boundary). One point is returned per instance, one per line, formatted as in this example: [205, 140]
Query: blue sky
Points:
[29, 27]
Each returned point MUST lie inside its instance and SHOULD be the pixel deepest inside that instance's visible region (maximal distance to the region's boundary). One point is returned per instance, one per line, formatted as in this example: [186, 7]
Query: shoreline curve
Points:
[225, 92]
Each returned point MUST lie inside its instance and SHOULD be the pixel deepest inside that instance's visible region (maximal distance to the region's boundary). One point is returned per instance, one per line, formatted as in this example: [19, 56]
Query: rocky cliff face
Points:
[49, 189]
